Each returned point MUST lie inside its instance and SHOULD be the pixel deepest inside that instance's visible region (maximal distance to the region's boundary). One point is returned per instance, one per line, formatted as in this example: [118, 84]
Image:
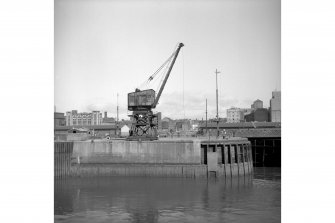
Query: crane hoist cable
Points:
[157, 71]
[168, 61]
[183, 85]
[163, 76]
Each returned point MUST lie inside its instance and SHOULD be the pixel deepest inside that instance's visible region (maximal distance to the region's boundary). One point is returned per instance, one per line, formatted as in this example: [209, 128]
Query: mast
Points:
[117, 111]
[217, 104]
[206, 117]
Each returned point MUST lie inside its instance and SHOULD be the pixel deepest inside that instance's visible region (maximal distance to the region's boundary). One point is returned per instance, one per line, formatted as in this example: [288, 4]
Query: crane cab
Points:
[141, 100]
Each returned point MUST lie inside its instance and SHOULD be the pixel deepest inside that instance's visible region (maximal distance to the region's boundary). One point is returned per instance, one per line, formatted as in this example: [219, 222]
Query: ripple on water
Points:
[139, 199]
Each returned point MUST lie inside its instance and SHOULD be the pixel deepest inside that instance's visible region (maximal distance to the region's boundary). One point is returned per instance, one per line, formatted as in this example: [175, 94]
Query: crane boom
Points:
[167, 75]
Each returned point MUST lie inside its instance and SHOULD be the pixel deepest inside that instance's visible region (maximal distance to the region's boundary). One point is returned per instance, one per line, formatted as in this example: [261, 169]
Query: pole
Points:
[217, 104]
[206, 118]
[117, 113]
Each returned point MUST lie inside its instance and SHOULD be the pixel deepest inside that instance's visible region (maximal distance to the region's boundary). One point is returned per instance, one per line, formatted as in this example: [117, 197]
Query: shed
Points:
[125, 130]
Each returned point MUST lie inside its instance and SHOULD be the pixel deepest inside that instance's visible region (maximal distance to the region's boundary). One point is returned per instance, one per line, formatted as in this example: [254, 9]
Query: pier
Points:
[194, 158]
[265, 138]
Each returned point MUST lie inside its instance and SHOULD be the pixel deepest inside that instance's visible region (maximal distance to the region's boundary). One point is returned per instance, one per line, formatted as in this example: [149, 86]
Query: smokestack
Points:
[105, 114]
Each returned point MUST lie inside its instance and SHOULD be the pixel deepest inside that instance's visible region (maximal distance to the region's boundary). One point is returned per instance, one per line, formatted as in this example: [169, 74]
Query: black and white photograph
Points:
[167, 111]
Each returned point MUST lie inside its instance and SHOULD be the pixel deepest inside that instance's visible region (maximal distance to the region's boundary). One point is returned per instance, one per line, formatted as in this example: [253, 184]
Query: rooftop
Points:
[258, 133]
[243, 125]
[97, 127]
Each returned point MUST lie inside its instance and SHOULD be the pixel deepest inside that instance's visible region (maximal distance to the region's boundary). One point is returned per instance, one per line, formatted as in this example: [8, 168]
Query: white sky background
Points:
[107, 47]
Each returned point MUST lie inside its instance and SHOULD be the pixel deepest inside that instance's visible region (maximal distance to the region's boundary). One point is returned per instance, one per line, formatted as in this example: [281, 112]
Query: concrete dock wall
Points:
[146, 170]
[153, 170]
[196, 159]
[150, 152]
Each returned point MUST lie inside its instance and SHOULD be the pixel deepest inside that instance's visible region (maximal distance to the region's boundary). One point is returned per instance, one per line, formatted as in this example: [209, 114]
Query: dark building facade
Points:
[249, 117]
[259, 115]
[59, 119]
[165, 125]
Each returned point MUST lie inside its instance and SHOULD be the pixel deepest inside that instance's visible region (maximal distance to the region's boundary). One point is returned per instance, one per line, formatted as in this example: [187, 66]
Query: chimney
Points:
[105, 114]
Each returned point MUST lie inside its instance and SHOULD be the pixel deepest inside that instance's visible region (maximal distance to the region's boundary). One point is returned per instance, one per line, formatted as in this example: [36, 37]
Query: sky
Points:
[109, 47]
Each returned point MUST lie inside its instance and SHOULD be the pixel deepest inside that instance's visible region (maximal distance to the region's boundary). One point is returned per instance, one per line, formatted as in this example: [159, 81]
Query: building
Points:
[275, 106]
[168, 123]
[59, 119]
[179, 125]
[159, 120]
[125, 130]
[259, 115]
[249, 117]
[246, 111]
[107, 120]
[235, 115]
[183, 125]
[165, 125]
[257, 104]
[101, 131]
[74, 118]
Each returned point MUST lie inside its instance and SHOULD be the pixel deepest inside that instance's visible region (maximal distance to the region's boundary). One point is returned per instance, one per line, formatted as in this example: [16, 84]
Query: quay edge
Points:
[195, 158]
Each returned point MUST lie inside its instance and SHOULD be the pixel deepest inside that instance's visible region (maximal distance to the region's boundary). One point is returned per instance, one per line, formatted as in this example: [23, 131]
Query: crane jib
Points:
[167, 75]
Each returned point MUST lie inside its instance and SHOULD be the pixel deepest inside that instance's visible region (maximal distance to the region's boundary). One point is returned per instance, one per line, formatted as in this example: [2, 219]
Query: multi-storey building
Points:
[84, 118]
[275, 106]
[235, 115]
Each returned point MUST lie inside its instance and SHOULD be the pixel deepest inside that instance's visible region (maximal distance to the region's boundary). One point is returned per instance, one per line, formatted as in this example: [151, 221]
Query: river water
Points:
[140, 199]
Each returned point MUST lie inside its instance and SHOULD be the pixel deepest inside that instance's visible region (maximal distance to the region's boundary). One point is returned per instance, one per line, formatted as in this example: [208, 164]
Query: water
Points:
[140, 199]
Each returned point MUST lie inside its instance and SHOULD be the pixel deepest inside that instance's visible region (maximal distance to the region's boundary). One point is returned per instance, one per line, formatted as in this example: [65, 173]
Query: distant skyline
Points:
[107, 47]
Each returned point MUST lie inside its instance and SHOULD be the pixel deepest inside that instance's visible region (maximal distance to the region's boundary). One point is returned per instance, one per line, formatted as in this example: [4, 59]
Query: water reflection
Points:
[139, 199]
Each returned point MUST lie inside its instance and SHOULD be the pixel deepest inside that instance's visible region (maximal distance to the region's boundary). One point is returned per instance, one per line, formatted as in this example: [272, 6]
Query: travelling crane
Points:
[141, 102]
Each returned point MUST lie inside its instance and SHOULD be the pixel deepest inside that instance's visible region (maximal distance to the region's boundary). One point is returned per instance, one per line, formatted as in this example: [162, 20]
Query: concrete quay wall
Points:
[164, 170]
[163, 158]
[150, 152]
